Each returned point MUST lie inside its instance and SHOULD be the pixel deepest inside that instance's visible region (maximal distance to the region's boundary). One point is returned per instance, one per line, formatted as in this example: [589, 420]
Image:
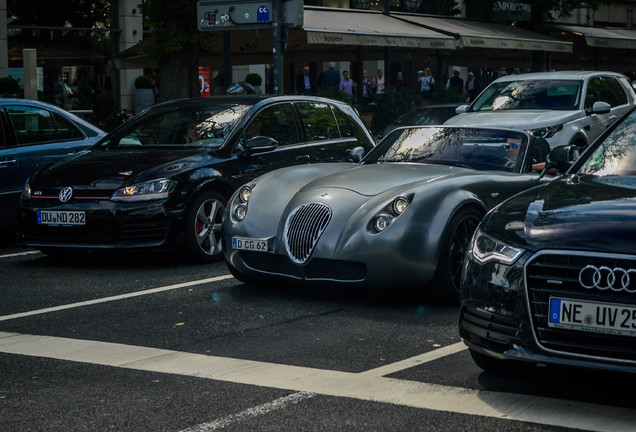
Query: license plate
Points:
[49, 217]
[608, 318]
[250, 244]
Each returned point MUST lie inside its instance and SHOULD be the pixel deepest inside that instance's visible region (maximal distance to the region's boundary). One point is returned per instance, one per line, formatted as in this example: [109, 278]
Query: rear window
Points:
[318, 121]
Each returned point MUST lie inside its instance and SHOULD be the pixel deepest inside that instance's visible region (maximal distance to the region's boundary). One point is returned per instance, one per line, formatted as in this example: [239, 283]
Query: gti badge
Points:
[66, 194]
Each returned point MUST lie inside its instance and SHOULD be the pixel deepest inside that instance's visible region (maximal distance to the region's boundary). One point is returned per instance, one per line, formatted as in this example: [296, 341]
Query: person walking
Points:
[331, 77]
[456, 83]
[399, 81]
[427, 85]
[346, 84]
[368, 90]
[473, 86]
[378, 81]
[304, 84]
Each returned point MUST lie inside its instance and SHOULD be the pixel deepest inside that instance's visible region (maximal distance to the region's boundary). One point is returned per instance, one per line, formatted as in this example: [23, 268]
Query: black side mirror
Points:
[561, 157]
[259, 144]
[356, 154]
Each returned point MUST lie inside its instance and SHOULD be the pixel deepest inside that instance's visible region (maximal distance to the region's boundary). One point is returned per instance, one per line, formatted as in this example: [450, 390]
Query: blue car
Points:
[34, 134]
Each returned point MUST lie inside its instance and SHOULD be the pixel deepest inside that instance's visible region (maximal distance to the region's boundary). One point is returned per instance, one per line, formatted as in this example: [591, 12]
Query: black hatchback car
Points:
[163, 178]
[551, 274]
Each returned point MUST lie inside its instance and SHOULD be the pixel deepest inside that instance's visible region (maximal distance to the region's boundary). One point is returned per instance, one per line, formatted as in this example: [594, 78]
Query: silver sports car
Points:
[403, 216]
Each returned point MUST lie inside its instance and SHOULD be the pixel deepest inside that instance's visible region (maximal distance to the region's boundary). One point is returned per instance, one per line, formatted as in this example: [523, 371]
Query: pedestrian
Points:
[473, 86]
[399, 81]
[378, 81]
[304, 84]
[368, 90]
[331, 77]
[346, 84]
[456, 83]
[427, 86]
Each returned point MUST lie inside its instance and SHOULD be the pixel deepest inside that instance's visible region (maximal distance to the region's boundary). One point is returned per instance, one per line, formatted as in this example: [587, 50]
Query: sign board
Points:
[245, 14]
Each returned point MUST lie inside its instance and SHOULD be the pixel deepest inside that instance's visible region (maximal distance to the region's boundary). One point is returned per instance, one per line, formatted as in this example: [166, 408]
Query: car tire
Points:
[498, 366]
[203, 227]
[455, 242]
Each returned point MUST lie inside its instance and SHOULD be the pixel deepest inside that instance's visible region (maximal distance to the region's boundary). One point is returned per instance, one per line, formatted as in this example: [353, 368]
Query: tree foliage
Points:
[173, 39]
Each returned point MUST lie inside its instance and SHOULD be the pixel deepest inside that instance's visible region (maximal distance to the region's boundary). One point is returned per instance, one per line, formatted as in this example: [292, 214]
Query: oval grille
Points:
[303, 228]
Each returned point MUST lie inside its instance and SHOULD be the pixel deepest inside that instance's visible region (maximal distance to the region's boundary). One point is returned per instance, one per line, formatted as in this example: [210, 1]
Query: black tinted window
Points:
[276, 122]
[32, 125]
[318, 121]
[615, 94]
[66, 129]
[345, 124]
[604, 89]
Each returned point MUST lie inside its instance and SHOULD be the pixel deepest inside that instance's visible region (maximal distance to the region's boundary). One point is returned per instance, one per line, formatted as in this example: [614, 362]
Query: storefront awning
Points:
[478, 34]
[330, 26]
[602, 37]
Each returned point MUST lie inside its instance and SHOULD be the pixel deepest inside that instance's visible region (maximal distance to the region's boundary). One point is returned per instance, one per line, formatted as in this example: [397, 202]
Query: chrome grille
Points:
[303, 228]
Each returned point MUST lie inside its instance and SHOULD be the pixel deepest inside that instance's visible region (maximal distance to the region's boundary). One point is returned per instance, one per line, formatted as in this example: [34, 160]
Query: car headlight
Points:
[381, 223]
[149, 190]
[399, 205]
[546, 132]
[245, 194]
[487, 248]
[239, 208]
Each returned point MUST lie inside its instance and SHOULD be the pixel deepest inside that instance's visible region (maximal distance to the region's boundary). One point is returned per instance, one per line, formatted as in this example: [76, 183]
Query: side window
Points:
[318, 121]
[613, 92]
[276, 122]
[344, 123]
[66, 129]
[32, 125]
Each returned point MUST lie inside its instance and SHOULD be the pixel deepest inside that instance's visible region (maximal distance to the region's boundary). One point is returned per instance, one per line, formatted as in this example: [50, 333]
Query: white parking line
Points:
[113, 298]
[362, 386]
[19, 254]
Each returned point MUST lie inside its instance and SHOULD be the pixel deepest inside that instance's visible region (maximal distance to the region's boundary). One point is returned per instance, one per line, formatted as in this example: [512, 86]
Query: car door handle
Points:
[8, 162]
[302, 158]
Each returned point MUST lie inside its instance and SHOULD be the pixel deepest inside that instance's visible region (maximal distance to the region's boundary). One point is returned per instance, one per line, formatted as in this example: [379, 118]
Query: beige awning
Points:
[479, 34]
[330, 26]
[602, 37]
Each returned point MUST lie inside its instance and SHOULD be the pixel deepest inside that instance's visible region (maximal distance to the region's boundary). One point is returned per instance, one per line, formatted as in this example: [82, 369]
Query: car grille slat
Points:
[556, 274]
[303, 228]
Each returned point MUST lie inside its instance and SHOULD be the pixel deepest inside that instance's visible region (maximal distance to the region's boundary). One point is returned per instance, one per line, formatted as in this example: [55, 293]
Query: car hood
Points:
[377, 178]
[113, 168]
[578, 213]
[516, 119]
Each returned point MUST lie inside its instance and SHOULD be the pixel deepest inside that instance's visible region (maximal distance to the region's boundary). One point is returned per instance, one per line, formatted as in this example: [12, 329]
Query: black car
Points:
[551, 274]
[163, 178]
[32, 135]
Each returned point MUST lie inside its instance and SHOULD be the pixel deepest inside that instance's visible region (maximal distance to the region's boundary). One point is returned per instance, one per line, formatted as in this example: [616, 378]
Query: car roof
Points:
[577, 75]
[245, 99]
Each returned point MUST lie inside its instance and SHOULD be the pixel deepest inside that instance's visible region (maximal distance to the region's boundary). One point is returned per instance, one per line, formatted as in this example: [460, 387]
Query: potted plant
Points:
[144, 96]
[8, 87]
[255, 80]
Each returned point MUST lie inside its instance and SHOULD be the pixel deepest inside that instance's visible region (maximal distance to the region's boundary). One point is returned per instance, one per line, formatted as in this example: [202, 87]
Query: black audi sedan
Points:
[550, 277]
[162, 179]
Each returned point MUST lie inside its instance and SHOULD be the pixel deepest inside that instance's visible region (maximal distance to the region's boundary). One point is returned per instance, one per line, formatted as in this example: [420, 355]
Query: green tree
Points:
[173, 40]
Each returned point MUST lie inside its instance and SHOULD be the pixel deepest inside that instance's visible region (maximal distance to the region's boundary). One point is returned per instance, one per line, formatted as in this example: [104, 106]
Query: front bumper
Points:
[109, 225]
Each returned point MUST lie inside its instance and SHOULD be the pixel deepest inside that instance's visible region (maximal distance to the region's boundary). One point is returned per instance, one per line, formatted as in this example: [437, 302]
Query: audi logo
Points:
[603, 278]
[66, 194]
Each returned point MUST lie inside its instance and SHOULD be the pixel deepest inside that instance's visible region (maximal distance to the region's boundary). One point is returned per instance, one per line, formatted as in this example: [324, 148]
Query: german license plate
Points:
[71, 218]
[250, 244]
[608, 318]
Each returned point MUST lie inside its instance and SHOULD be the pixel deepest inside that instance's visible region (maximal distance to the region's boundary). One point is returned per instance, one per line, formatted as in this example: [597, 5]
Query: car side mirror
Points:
[562, 157]
[601, 108]
[461, 109]
[356, 154]
[259, 144]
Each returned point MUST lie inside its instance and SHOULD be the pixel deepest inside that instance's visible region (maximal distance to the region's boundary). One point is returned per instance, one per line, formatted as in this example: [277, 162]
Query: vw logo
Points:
[66, 194]
[603, 278]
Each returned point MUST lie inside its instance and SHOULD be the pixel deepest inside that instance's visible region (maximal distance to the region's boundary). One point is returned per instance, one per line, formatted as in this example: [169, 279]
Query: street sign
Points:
[245, 14]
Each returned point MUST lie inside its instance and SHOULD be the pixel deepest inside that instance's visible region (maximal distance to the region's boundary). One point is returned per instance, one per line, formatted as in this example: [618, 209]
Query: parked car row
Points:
[493, 210]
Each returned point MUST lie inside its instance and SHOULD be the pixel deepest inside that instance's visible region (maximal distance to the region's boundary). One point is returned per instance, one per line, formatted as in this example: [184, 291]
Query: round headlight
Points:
[240, 212]
[381, 223]
[399, 205]
[245, 194]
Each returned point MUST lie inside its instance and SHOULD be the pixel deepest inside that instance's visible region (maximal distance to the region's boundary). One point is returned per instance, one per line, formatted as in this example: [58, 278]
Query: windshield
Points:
[616, 154]
[530, 94]
[486, 149]
[179, 126]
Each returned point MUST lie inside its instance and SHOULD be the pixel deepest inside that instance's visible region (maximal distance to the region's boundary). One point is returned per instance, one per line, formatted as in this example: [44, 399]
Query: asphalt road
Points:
[149, 342]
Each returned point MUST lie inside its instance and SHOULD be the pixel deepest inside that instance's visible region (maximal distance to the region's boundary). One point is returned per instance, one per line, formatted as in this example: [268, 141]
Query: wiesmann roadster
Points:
[403, 216]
